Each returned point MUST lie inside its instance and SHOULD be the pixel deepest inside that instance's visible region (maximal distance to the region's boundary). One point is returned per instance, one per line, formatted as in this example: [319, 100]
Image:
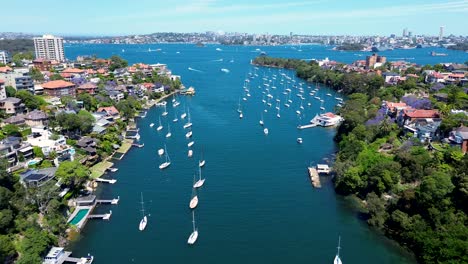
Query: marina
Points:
[242, 165]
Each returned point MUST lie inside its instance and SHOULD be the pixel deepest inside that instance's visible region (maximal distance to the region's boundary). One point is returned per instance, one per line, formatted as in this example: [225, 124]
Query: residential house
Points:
[12, 105]
[37, 178]
[3, 94]
[43, 138]
[391, 78]
[88, 145]
[14, 150]
[18, 78]
[434, 77]
[15, 120]
[114, 94]
[36, 118]
[59, 88]
[392, 108]
[44, 64]
[111, 112]
[425, 129]
[409, 115]
[88, 87]
[460, 136]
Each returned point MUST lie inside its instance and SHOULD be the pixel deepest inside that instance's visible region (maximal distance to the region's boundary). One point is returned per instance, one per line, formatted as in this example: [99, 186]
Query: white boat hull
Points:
[164, 165]
[161, 152]
[193, 237]
[193, 202]
[201, 163]
[143, 223]
[199, 183]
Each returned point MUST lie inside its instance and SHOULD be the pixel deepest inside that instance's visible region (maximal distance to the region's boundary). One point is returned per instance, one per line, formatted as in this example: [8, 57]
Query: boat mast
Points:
[339, 242]
[193, 220]
[142, 205]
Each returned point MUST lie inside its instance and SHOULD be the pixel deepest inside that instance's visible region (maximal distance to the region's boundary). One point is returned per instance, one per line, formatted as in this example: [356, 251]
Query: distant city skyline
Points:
[313, 17]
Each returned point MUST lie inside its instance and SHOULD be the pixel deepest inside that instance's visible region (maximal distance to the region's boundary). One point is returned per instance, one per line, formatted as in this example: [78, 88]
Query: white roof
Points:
[322, 166]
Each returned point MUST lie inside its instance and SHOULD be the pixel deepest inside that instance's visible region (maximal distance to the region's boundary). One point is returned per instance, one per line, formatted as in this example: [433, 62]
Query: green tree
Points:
[11, 130]
[55, 77]
[10, 91]
[376, 208]
[7, 249]
[38, 152]
[36, 74]
[117, 63]
[72, 173]
[30, 100]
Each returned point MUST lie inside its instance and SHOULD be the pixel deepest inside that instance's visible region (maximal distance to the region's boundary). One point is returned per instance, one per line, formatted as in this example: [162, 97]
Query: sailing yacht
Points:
[190, 153]
[189, 134]
[337, 259]
[190, 144]
[188, 124]
[239, 110]
[161, 152]
[241, 115]
[200, 181]
[278, 114]
[160, 127]
[265, 130]
[201, 162]
[165, 111]
[168, 160]
[152, 124]
[194, 201]
[193, 237]
[169, 134]
[183, 115]
[321, 106]
[144, 220]
[261, 120]
[175, 117]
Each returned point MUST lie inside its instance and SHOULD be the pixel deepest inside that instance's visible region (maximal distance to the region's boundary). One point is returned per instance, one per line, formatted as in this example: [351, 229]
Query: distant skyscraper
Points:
[441, 33]
[49, 47]
[405, 32]
[290, 34]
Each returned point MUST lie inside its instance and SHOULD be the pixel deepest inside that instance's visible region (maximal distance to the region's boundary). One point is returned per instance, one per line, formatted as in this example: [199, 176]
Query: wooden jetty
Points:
[101, 216]
[113, 201]
[307, 126]
[314, 177]
[111, 181]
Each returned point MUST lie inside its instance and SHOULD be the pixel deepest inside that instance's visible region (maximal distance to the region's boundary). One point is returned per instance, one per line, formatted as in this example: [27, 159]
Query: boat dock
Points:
[113, 201]
[314, 177]
[58, 255]
[101, 216]
[111, 181]
[138, 145]
[307, 126]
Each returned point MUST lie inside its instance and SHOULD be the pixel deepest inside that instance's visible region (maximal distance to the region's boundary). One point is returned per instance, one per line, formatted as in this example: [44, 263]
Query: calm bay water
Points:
[257, 204]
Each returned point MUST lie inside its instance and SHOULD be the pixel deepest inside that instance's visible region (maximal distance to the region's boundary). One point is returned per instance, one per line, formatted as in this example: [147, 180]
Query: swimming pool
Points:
[79, 216]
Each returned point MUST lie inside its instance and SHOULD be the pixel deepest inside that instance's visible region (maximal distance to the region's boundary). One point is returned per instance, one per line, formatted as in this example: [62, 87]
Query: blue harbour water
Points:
[257, 204]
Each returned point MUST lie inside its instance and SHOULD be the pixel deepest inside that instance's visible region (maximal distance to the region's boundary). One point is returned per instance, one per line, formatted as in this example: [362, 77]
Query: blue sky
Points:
[331, 17]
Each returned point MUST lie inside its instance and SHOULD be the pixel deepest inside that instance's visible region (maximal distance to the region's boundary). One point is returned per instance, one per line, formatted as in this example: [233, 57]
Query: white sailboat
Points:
[261, 120]
[175, 118]
[167, 162]
[169, 134]
[278, 114]
[337, 259]
[194, 235]
[190, 153]
[161, 152]
[144, 220]
[165, 111]
[189, 134]
[201, 162]
[265, 130]
[321, 106]
[160, 127]
[189, 123]
[194, 201]
[183, 115]
[239, 110]
[190, 144]
[152, 124]
[200, 181]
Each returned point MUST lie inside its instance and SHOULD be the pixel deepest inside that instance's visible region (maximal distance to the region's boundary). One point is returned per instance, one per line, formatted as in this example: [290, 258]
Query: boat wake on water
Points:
[218, 60]
[192, 69]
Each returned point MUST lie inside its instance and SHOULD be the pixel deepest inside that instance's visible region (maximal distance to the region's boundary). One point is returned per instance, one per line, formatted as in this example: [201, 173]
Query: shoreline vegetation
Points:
[412, 193]
[32, 219]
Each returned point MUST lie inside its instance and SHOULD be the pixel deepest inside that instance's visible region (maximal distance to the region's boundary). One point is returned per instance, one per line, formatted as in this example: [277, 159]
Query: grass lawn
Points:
[126, 145]
[99, 169]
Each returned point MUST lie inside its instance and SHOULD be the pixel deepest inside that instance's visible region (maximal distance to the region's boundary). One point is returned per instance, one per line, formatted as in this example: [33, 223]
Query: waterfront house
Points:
[59, 88]
[36, 118]
[88, 145]
[111, 112]
[89, 200]
[459, 136]
[88, 87]
[114, 94]
[391, 78]
[14, 150]
[56, 255]
[12, 105]
[394, 108]
[434, 77]
[37, 178]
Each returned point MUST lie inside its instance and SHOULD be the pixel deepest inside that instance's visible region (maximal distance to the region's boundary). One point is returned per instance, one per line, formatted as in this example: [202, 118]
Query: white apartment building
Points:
[5, 57]
[49, 47]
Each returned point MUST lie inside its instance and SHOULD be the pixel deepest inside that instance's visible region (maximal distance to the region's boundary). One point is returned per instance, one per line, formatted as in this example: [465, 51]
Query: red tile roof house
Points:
[88, 87]
[110, 111]
[409, 115]
[392, 107]
[59, 88]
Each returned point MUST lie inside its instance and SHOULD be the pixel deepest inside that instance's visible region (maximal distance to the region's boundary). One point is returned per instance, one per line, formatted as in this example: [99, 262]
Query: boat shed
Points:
[323, 168]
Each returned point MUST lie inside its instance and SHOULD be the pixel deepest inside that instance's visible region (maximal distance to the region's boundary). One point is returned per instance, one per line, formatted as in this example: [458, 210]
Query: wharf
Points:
[307, 126]
[314, 177]
[111, 181]
[101, 216]
[113, 201]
